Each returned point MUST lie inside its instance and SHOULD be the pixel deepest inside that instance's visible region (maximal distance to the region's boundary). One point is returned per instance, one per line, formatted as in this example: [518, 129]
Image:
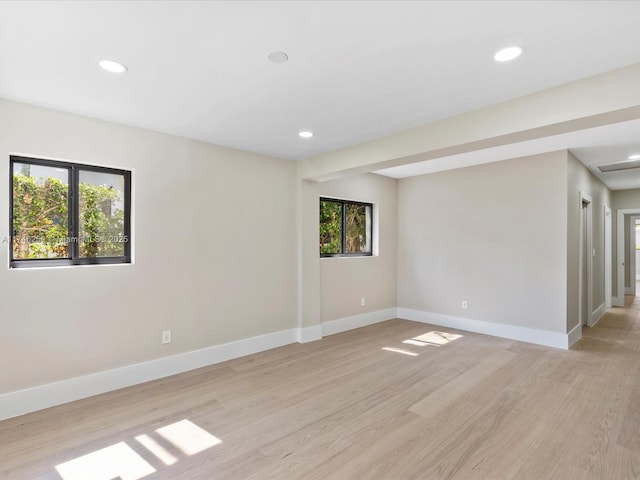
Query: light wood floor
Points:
[345, 408]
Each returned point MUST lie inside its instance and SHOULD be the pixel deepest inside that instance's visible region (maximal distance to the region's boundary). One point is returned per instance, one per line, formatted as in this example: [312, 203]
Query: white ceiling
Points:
[593, 146]
[357, 70]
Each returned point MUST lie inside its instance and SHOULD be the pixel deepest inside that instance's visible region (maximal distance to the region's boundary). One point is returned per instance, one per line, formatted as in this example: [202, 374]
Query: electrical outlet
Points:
[166, 336]
[465, 304]
[363, 302]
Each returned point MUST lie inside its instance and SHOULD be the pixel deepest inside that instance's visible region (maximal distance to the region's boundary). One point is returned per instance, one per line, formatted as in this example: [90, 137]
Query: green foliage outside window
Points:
[356, 223]
[354, 218]
[40, 219]
[330, 227]
[99, 226]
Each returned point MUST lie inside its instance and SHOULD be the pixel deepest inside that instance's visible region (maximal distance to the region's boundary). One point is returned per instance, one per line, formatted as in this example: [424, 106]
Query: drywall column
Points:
[309, 327]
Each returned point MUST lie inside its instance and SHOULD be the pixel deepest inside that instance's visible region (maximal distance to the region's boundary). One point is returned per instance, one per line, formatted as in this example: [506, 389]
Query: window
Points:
[345, 228]
[68, 214]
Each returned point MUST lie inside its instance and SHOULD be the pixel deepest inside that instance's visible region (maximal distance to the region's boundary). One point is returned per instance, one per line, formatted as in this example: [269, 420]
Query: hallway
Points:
[606, 366]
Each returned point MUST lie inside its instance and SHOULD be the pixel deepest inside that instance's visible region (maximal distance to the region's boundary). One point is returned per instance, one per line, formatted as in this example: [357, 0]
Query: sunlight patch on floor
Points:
[429, 339]
[116, 461]
[400, 350]
[157, 449]
[122, 462]
[437, 338]
[188, 437]
[411, 341]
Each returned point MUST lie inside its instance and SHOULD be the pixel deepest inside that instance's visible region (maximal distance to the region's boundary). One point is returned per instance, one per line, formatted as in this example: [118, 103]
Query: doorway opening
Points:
[632, 255]
[585, 310]
[636, 255]
[625, 250]
[608, 257]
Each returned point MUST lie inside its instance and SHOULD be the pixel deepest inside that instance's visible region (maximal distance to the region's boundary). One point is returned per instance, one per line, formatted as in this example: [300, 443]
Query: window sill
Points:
[58, 267]
[349, 257]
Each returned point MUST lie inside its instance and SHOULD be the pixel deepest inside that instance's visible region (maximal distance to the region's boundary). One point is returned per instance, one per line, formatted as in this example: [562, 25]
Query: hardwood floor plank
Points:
[396, 400]
[434, 403]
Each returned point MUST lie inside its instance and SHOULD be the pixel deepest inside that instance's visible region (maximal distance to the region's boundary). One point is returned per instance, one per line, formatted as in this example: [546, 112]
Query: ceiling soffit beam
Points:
[604, 99]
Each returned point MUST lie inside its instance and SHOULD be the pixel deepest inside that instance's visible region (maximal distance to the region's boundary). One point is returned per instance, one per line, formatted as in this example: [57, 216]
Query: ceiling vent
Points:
[615, 167]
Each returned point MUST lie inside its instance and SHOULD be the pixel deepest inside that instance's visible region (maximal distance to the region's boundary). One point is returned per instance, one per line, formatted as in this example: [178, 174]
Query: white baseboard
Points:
[357, 321]
[309, 334]
[616, 302]
[29, 400]
[32, 399]
[597, 315]
[523, 334]
[628, 290]
[574, 335]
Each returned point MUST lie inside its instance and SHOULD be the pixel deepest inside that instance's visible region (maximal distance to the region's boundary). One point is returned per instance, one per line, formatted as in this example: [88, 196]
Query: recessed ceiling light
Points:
[507, 54]
[112, 66]
[305, 134]
[634, 156]
[277, 56]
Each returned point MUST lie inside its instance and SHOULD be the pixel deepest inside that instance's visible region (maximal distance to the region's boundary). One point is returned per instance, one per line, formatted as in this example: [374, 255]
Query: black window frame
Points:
[343, 204]
[73, 210]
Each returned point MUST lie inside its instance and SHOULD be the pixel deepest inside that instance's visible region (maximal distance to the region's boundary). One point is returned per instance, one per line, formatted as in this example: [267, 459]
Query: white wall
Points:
[494, 235]
[214, 253]
[226, 248]
[580, 179]
[345, 280]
